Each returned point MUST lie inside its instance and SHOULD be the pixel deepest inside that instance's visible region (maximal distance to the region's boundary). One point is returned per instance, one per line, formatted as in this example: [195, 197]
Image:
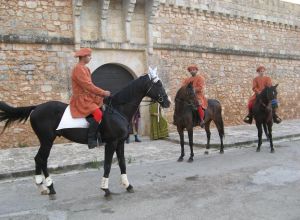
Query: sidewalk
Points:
[17, 162]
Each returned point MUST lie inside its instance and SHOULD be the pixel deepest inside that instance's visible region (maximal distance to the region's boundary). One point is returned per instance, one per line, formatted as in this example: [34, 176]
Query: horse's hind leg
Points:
[270, 136]
[208, 134]
[109, 152]
[220, 127]
[181, 136]
[259, 134]
[190, 133]
[122, 165]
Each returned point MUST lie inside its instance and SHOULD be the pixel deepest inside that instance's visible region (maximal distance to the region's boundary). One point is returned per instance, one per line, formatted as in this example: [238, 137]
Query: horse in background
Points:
[45, 118]
[262, 113]
[187, 117]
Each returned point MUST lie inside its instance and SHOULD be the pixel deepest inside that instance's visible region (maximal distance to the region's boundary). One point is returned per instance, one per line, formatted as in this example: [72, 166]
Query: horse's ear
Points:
[276, 85]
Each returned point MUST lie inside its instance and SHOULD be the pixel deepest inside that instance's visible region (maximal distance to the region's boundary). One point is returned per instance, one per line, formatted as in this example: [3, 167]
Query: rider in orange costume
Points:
[198, 83]
[258, 84]
[86, 98]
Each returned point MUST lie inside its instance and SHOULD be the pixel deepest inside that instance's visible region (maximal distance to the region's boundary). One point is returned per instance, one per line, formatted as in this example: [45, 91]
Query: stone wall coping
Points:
[35, 39]
[203, 9]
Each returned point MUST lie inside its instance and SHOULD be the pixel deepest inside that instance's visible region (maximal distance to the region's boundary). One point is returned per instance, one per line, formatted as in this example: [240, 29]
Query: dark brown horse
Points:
[186, 117]
[262, 112]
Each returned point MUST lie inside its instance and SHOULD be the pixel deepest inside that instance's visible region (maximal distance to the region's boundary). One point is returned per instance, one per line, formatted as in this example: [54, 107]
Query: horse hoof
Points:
[190, 160]
[272, 151]
[221, 152]
[45, 192]
[206, 152]
[130, 189]
[257, 150]
[51, 190]
[107, 193]
[180, 159]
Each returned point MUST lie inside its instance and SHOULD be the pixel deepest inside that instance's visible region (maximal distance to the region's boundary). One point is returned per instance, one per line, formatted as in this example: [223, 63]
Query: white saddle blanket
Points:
[68, 122]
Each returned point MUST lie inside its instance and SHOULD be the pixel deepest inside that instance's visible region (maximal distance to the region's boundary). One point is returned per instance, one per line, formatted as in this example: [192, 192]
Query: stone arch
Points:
[112, 76]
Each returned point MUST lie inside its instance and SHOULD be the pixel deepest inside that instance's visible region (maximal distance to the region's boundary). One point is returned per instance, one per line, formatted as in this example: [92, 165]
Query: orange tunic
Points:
[198, 82]
[86, 97]
[259, 83]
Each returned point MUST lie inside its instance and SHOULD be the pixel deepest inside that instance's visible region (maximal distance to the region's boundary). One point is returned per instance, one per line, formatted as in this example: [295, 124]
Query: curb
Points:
[55, 170]
[241, 143]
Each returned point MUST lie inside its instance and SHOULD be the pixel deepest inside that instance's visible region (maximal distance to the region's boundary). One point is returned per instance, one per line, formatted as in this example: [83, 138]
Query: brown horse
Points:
[187, 117]
[262, 112]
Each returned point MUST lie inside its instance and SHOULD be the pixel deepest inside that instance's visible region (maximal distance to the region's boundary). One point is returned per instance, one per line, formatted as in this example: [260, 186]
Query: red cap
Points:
[260, 68]
[83, 52]
[192, 67]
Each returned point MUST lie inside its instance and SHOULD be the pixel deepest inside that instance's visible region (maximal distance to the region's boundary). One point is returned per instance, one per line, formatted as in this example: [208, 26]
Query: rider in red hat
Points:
[259, 83]
[86, 98]
[198, 83]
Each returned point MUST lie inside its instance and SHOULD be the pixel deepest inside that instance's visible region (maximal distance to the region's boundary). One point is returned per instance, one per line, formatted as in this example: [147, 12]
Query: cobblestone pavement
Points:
[16, 162]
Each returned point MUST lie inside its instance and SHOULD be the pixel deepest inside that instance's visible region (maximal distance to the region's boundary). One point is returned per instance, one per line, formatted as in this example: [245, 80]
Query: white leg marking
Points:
[124, 180]
[48, 181]
[104, 183]
[38, 179]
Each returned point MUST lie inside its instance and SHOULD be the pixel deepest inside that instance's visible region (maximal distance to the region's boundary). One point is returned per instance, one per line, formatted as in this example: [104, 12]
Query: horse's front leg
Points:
[208, 134]
[181, 136]
[109, 152]
[190, 134]
[122, 165]
[270, 136]
[259, 134]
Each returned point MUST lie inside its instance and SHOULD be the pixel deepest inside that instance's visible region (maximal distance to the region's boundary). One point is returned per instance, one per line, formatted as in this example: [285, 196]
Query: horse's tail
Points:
[9, 114]
[222, 132]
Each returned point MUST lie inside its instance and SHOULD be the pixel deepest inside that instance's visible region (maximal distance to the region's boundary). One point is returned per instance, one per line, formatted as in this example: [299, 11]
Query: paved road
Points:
[241, 184]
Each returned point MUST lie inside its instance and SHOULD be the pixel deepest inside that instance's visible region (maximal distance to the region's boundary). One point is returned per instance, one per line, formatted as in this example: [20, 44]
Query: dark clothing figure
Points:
[134, 127]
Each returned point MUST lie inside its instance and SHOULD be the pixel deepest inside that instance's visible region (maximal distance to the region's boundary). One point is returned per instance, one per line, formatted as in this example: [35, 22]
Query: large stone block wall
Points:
[228, 46]
[32, 74]
[227, 39]
[195, 28]
[229, 79]
[36, 18]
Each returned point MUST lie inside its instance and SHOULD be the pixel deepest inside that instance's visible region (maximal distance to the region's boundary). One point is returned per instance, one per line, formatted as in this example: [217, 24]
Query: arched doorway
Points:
[111, 77]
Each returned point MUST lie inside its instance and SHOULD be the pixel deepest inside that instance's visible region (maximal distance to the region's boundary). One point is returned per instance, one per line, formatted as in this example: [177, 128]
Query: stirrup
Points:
[248, 119]
[202, 124]
[277, 120]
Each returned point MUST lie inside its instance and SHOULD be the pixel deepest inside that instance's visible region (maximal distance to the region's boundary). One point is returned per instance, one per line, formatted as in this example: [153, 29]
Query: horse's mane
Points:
[125, 94]
[180, 92]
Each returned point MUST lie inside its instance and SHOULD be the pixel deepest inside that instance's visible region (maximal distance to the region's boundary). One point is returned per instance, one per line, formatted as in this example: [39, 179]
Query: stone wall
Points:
[227, 39]
[228, 45]
[36, 57]
[43, 19]
[229, 79]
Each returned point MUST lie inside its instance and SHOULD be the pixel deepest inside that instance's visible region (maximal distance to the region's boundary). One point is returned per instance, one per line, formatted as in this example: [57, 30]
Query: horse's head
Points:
[270, 92]
[186, 94]
[155, 89]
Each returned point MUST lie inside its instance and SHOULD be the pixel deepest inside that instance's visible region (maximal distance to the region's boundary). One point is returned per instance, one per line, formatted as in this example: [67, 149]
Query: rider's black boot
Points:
[248, 119]
[92, 132]
[276, 119]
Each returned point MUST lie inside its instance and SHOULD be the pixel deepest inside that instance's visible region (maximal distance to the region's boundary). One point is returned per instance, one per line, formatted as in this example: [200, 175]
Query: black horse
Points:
[121, 107]
[262, 113]
[186, 117]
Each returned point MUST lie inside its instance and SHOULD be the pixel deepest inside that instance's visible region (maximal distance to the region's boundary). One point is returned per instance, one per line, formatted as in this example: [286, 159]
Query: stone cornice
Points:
[32, 39]
[219, 12]
[114, 45]
[227, 51]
